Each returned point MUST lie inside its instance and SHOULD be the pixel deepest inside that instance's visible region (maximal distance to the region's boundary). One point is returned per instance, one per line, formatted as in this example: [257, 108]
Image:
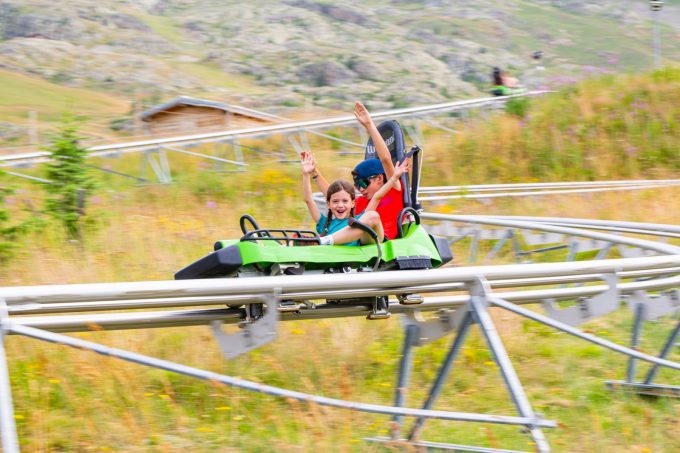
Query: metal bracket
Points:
[587, 308]
[254, 333]
[301, 145]
[4, 316]
[161, 167]
[480, 287]
[507, 234]
[656, 306]
[581, 245]
[542, 238]
[633, 252]
[447, 321]
[380, 308]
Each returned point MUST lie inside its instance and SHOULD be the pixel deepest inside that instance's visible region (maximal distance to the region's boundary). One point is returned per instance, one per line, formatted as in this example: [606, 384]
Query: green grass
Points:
[588, 40]
[214, 76]
[35, 93]
[164, 27]
[20, 94]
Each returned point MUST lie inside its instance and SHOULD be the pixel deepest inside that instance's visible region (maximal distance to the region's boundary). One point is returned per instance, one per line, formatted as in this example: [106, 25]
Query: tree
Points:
[70, 182]
[7, 233]
[10, 231]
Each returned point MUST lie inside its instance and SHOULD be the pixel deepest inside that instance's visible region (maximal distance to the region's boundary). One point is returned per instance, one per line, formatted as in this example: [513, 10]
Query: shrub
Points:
[518, 107]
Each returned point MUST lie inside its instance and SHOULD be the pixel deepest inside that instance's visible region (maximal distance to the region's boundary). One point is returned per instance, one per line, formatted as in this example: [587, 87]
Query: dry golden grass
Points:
[76, 400]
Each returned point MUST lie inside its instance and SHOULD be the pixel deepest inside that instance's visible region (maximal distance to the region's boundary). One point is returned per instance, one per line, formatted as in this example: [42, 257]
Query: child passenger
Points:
[333, 227]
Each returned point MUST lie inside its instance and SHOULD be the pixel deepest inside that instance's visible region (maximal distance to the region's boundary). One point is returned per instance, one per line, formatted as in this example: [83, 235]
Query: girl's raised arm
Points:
[308, 168]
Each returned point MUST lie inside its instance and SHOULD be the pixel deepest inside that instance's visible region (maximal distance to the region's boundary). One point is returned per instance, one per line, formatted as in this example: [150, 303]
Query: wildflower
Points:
[631, 150]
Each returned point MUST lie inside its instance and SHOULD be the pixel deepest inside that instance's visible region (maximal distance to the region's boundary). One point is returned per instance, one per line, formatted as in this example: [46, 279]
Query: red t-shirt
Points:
[389, 208]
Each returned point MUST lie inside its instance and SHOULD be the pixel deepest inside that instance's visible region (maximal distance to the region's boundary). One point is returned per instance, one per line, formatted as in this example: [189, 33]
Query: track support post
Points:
[635, 341]
[647, 308]
[444, 372]
[420, 332]
[411, 334]
[8, 429]
[479, 290]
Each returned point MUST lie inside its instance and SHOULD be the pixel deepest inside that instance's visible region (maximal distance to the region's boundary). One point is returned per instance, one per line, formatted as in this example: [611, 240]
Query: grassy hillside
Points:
[70, 400]
[604, 128]
[21, 94]
[272, 55]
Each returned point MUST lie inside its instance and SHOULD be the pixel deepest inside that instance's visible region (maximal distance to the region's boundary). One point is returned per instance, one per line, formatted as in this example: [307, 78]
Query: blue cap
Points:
[369, 167]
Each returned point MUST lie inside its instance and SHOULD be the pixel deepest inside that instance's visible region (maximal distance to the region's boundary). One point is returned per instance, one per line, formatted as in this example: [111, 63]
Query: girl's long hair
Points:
[338, 186]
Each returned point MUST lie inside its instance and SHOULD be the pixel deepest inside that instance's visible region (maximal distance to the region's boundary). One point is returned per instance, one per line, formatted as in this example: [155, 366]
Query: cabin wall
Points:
[185, 118]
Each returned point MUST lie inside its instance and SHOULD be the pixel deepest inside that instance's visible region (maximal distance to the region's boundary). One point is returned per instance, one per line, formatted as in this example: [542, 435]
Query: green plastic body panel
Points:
[416, 242]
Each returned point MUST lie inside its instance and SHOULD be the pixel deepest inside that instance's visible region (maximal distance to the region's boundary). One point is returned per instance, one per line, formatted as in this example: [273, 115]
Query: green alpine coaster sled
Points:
[270, 252]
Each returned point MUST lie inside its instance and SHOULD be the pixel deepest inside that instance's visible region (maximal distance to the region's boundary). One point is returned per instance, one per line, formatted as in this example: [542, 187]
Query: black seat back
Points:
[394, 139]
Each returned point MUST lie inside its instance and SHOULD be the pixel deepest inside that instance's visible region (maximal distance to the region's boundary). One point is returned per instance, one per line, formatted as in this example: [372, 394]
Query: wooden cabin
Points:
[187, 114]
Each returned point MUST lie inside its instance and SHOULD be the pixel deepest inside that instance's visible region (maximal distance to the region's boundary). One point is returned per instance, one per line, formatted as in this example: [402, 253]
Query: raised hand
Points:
[402, 167]
[362, 114]
[307, 162]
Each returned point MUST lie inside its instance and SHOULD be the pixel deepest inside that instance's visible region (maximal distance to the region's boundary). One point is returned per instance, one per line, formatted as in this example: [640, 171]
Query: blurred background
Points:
[136, 69]
[112, 60]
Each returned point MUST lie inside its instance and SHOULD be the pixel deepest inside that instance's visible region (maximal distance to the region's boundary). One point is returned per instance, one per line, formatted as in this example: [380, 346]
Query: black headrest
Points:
[394, 139]
[391, 132]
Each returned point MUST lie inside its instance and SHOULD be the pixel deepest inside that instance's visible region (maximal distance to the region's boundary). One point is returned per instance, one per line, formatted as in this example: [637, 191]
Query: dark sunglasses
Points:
[362, 183]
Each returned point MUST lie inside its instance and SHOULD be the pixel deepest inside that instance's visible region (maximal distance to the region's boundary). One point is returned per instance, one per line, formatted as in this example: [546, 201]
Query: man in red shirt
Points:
[370, 175]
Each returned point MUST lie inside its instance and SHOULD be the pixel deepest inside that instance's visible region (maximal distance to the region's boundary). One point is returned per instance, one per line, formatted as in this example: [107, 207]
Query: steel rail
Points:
[593, 223]
[268, 389]
[300, 126]
[313, 282]
[169, 302]
[641, 228]
[175, 318]
[643, 243]
[541, 192]
[542, 185]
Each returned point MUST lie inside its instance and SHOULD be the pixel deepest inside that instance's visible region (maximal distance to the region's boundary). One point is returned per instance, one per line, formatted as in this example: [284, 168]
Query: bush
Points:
[7, 244]
[10, 232]
[518, 107]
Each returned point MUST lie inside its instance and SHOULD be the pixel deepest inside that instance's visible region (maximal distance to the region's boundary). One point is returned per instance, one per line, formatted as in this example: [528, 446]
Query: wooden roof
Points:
[189, 101]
